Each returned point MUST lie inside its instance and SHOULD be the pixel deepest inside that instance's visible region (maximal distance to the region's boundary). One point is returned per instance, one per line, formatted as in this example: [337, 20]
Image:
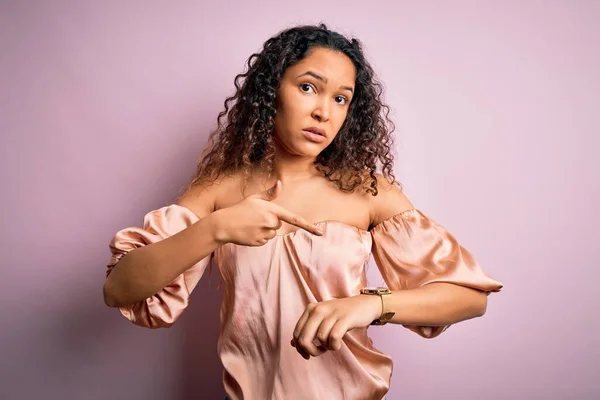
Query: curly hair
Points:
[245, 140]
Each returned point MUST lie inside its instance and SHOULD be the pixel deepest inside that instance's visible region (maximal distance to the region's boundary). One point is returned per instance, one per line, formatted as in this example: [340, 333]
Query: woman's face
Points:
[313, 101]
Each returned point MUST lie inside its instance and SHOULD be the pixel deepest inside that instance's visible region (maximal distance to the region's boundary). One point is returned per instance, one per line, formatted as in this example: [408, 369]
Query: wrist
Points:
[216, 227]
[383, 294]
[375, 305]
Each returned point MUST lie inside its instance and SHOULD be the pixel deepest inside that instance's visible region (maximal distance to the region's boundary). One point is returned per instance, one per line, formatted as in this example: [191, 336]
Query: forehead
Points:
[335, 66]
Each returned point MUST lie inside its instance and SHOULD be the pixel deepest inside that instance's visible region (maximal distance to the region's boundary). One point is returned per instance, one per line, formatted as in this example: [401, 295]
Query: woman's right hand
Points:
[256, 219]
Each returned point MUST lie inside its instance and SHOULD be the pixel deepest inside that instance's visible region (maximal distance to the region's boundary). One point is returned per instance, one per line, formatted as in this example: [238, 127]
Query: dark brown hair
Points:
[245, 140]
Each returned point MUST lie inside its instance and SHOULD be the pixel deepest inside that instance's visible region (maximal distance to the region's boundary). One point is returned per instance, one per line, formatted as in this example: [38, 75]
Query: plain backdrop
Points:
[105, 106]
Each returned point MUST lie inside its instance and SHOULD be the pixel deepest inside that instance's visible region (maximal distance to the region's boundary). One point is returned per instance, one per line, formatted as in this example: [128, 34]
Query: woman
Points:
[306, 139]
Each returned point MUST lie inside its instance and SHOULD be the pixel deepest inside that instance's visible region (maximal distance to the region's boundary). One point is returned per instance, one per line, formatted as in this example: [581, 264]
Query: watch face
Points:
[375, 290]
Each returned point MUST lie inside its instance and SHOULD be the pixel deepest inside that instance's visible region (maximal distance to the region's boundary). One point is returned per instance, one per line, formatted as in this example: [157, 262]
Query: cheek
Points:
[340, 118]
[297, 104]
[284, 121]
[292, 107]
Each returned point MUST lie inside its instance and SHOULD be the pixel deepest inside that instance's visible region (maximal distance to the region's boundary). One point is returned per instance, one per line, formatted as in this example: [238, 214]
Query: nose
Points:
[321, 111]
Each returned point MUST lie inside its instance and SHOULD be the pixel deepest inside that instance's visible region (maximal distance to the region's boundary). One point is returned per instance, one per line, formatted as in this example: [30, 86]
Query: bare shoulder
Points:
[390, 200]
[203, 198]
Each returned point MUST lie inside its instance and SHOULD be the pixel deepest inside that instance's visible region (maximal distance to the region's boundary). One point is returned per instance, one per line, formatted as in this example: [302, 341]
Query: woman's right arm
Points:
[154, 269]
[146, 270]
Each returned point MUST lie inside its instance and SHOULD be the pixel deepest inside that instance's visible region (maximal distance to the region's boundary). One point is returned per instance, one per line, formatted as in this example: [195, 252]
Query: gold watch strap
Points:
[386, 313]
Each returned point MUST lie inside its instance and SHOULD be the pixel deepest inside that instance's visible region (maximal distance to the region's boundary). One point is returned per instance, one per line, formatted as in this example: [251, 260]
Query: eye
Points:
[307, 87]
[341, 100]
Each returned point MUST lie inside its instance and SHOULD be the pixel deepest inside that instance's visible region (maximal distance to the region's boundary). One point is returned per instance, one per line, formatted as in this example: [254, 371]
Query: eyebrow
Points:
[323, 79]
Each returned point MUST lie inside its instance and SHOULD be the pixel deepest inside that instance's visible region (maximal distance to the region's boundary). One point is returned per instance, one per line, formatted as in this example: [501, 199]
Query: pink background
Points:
[106, 105]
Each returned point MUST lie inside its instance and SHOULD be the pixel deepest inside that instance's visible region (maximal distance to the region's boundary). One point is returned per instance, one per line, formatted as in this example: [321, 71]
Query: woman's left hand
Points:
[323, 325]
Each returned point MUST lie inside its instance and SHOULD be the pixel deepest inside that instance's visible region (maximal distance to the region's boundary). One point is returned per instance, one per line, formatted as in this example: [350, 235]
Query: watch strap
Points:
[386, 313]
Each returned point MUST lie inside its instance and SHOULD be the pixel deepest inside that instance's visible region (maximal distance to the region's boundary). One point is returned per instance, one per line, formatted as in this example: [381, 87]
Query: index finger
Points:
[296, 220]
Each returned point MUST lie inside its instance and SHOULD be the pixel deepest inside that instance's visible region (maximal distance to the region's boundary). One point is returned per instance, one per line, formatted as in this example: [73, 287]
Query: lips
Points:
[316, 131]
[314, 135]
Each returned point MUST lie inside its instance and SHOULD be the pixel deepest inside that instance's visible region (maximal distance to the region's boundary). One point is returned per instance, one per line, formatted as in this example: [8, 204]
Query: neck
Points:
[290, 167]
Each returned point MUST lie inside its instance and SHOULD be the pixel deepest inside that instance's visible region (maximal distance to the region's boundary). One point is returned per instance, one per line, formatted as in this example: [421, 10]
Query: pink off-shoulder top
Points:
[267, 288]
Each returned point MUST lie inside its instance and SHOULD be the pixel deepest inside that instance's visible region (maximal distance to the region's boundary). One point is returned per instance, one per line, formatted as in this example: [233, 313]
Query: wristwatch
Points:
[382, 292]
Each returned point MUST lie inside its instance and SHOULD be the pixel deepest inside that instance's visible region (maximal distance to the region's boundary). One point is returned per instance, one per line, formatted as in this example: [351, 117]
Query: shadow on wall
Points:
[177, 363]
[77, 348]
[202, 372]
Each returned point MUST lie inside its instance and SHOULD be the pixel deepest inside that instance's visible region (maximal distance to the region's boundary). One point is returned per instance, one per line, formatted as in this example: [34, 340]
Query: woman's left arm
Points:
[424, 245]
[435, 282]
[435, 304]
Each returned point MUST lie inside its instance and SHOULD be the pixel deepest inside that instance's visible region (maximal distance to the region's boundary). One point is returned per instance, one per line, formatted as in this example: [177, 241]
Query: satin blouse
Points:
[267, 288]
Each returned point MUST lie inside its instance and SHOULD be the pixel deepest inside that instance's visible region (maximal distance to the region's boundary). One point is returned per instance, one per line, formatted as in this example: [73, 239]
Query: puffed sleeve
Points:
[411, 250]
[163, 308]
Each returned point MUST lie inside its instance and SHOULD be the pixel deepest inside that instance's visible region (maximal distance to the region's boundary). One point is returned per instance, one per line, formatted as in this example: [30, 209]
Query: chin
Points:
[308, 149]
[302, 147]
